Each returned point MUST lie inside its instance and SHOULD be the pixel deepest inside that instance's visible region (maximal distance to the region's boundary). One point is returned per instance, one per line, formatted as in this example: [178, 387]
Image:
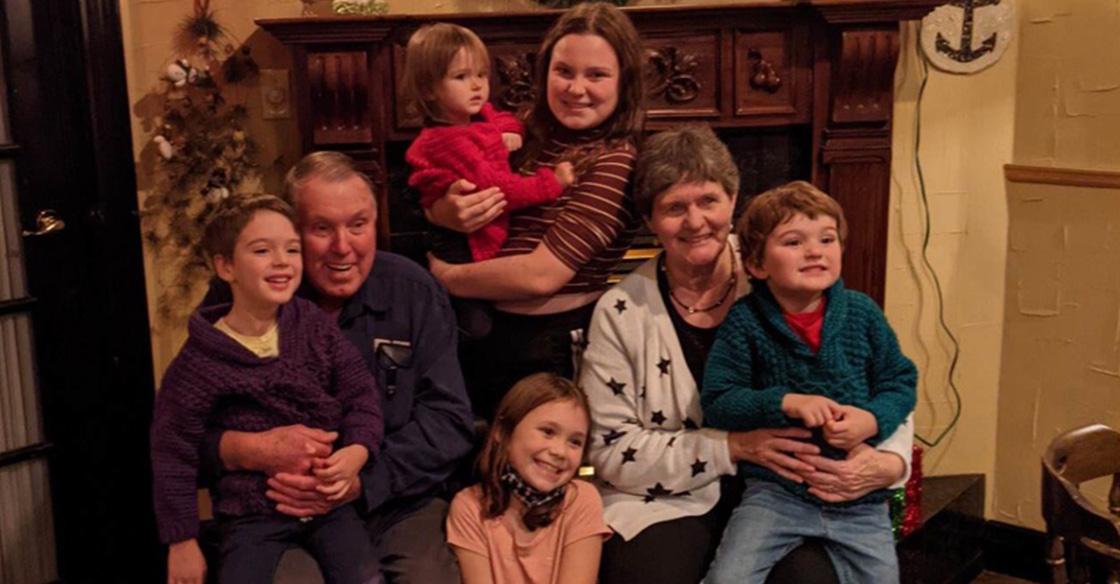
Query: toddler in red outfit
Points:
[446, 79]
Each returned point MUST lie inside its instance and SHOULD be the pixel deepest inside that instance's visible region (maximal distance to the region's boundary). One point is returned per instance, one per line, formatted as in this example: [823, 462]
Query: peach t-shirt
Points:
[536, 560]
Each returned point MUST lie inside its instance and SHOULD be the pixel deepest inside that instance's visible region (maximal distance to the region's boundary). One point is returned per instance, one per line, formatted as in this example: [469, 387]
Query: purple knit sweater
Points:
[318, 380]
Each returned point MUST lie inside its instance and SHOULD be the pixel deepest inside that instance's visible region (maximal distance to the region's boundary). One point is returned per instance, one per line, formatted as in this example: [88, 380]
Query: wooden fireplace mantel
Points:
[822, 65]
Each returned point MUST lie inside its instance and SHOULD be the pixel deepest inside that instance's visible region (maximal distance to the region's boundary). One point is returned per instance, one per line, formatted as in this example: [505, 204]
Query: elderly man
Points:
[401, 322]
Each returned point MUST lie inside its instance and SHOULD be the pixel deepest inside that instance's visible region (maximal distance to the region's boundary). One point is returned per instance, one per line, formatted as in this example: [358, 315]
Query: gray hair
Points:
[324, 164]
[686, 154]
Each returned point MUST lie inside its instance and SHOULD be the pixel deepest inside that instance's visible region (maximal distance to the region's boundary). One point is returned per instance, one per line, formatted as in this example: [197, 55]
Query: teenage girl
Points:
[555, 264]
[528, 521]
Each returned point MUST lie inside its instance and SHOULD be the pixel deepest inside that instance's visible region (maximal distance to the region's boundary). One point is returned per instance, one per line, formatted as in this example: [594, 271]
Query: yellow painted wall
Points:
[1061, 348]
[966, 137]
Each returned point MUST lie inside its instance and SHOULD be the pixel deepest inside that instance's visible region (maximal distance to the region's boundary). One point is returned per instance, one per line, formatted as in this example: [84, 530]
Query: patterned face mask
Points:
[526, 493]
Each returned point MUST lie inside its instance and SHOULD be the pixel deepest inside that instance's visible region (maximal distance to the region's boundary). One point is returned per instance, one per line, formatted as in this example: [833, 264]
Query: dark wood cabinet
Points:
[798, 89]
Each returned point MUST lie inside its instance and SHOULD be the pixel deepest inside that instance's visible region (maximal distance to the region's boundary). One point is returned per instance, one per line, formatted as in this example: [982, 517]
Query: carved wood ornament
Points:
[763, 75]
[670, 73]
[516, 76]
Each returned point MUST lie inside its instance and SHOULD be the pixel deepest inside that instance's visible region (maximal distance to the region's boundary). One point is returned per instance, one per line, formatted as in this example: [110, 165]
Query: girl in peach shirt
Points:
[528, 521]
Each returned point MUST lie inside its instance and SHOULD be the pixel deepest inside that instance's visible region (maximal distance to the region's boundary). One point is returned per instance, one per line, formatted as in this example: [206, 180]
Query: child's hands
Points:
[511, 140]
[340, 471]
[852, 427]
[565, 174]
[185, 564]
[812, 410]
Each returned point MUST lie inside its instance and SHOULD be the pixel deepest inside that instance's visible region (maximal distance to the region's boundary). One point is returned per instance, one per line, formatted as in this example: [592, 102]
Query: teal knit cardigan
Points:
[757, 359]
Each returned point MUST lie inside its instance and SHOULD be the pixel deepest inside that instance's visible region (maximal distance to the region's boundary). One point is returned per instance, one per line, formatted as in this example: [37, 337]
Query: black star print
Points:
[690, 425]
[620, 306]
[616, 386]
[656, 491]
[699, 466]
[628, 455]
[657, 418]
[672, 441]
[643, 394]
[612, 436]
[663, 365]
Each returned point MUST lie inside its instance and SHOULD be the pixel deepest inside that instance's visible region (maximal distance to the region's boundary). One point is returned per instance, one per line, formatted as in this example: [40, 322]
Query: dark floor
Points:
[996, 578]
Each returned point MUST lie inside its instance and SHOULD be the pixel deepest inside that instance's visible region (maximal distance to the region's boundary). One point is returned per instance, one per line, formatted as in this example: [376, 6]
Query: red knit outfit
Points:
[441, 155]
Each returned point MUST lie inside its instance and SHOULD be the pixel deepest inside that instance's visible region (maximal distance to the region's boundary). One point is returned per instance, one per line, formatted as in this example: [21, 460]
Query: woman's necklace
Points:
[723, 298]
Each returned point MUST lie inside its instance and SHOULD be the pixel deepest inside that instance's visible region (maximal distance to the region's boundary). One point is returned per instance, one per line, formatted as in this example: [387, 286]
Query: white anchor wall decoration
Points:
[966, 36]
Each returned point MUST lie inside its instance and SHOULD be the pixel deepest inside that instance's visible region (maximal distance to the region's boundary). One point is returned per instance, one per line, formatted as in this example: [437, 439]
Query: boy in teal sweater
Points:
[801, 349]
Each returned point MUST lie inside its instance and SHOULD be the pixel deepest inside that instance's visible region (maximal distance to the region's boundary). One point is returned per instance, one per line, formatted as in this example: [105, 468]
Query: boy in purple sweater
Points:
[264, 361]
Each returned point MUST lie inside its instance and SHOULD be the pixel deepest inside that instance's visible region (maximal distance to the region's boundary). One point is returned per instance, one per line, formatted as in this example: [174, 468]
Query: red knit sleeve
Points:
[459, 153]
[506, 122]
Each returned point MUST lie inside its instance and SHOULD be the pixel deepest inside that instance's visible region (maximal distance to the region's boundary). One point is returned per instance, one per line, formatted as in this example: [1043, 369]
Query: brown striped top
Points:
[590, 226]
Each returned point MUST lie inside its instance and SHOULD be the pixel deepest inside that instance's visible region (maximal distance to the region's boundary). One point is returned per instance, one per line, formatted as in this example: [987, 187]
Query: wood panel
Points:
[772, 73]
[682, 74]
[338, 84]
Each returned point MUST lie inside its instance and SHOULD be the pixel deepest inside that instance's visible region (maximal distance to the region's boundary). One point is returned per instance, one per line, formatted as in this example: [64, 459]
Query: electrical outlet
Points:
[276, 97]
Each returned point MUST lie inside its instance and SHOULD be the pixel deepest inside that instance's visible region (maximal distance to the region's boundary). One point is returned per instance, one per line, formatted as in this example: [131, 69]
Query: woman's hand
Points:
[864, 470]
[463, 212]
[776, 449]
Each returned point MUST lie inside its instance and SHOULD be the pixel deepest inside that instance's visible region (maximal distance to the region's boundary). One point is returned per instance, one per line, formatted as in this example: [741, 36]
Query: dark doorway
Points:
[70, 223]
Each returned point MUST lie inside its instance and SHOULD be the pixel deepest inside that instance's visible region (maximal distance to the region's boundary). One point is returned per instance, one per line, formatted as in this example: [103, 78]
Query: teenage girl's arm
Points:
[517, 277]
[581, 231]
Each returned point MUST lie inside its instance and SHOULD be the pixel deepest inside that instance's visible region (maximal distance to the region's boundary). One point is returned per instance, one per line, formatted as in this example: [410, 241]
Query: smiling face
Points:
[692, 221]
[264, 270]
[338, 228]
[465, 87]
[546, 447]
[801, 260]
[583, 81]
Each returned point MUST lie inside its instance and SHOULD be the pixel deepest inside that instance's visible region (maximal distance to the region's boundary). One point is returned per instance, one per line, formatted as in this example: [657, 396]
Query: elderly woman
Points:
[667, 482]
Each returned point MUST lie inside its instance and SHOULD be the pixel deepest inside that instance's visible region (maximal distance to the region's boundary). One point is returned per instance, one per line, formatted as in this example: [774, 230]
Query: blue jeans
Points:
[770, 521]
